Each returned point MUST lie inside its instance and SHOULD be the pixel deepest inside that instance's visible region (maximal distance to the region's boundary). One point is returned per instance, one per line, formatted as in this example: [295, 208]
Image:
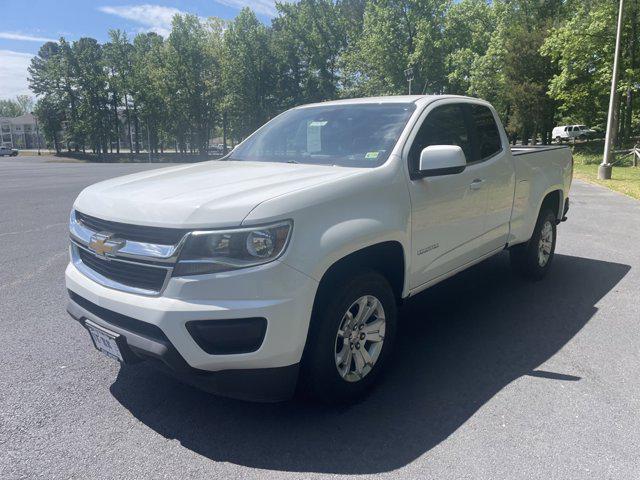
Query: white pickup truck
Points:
[283, 263]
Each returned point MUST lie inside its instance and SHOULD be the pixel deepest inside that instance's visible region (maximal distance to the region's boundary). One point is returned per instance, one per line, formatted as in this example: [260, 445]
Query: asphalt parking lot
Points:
[493, 378]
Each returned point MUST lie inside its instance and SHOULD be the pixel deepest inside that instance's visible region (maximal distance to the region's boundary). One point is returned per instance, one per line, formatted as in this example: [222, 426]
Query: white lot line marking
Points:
[46, 227]
[35, 272]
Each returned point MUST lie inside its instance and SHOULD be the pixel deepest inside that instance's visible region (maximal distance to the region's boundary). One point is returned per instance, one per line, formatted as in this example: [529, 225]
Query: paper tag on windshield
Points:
[318, 124]
[371, 155]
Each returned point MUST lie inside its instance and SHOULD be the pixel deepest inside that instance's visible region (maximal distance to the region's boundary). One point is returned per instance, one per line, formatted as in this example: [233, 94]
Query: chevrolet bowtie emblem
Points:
[103, 244]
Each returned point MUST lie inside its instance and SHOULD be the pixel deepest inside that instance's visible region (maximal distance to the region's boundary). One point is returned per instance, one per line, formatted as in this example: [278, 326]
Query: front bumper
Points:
[264, 384]
[276, 292]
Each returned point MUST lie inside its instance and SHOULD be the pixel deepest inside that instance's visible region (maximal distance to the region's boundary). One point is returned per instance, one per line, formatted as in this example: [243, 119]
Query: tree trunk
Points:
[136, 121]
[116, 122]
[128, 114]
[224, 132]
[617, 116]
[627, 131]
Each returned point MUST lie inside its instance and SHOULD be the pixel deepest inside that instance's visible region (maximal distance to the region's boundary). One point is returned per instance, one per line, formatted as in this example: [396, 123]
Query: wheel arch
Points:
[386, 258]
[554, 199]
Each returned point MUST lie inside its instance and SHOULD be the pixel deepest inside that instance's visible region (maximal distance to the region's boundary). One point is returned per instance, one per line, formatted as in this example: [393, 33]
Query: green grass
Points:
[624, 178]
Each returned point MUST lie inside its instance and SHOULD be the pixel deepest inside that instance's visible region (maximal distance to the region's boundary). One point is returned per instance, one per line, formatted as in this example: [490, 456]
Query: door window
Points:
[445, 125]
[487, 133]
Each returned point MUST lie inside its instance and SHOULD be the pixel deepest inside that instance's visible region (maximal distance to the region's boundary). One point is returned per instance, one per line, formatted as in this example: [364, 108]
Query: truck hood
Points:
[204, 195]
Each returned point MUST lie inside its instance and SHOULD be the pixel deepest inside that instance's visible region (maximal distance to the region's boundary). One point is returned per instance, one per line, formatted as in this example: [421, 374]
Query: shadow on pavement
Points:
[459, 344]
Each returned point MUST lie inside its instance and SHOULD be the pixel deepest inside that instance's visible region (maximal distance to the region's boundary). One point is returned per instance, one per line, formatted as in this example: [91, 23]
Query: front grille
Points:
[131, 274]
[136, 233]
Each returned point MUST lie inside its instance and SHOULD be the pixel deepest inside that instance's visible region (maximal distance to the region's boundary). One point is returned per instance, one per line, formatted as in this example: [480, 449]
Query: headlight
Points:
[223, 250]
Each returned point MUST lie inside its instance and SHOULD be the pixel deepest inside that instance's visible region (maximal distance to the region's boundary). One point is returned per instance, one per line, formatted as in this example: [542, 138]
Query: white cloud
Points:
[23, 37]
[152, 18]
[13, 74]
[264, 7]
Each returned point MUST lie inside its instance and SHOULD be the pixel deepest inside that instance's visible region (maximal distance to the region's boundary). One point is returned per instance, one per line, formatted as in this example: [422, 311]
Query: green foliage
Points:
[51, 118]
[247, 73]
[396, 35]
[583, 49]
[10, 108]
[540, 62]
[469, 27]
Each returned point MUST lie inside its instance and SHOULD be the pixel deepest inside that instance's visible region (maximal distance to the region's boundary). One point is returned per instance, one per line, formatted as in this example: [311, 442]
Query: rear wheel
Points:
[350, 339]
[533, 259]
[559, 139]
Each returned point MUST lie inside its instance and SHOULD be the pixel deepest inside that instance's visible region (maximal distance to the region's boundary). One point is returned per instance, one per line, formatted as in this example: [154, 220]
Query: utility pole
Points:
[604, 170]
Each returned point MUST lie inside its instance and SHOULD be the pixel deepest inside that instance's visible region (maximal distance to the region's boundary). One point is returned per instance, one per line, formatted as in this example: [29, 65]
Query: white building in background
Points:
[20, 132]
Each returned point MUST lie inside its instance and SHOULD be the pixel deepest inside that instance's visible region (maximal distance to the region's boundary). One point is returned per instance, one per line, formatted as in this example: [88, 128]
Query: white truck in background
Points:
[571, 132]
[283, 263]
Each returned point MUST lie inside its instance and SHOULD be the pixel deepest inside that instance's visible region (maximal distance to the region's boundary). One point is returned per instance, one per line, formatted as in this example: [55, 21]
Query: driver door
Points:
[448, 211]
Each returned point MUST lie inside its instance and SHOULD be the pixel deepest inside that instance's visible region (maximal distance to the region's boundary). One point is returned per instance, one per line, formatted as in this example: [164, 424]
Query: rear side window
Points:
[444, 125]
[487, 133]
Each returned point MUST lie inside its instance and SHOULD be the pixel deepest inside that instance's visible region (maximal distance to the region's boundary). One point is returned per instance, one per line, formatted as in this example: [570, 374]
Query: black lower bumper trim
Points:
[565, 210]
[260, 384]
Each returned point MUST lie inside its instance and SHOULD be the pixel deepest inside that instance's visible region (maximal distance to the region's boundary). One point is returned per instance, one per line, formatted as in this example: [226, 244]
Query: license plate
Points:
[104, 340]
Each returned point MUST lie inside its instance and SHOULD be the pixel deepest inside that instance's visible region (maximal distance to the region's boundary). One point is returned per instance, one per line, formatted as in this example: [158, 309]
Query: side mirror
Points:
[438, 160]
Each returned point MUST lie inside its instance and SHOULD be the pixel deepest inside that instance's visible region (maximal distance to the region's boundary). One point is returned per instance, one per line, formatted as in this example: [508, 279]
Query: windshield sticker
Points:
[314, 137]
[371, 155]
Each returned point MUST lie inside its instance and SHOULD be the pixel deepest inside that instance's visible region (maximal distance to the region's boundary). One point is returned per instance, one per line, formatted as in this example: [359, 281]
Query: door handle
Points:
[476, 184]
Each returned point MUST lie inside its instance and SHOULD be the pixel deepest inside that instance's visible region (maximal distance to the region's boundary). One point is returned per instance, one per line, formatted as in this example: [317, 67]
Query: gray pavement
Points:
[493, 377]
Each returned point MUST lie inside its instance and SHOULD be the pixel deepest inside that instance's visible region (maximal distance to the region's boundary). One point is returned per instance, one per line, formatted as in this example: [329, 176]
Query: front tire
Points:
[350, 339]
[532, 260]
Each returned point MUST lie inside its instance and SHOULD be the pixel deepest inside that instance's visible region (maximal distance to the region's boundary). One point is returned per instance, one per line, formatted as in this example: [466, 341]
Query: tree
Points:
[26, 103]
[469, 27]
[191, 75]
[148, 50]
[9, 108]
[307, 41]
[88, 68]
[513, 74]
[582, 48]
[50, 116]
[19, 106]
[118, 60]
[247, 74]
[536, 61]
[48, 80]
[398, 34]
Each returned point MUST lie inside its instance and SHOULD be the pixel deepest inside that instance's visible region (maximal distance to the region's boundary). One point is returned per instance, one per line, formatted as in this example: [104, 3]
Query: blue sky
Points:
[26, 25]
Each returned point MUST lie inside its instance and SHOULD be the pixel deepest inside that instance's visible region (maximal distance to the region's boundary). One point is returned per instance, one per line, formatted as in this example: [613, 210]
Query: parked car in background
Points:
[285, 262]
[571, 132]
[8, 151]
[216, 149]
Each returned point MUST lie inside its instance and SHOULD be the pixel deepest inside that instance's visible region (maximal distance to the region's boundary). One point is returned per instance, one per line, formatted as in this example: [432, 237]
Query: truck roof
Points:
[418, 99]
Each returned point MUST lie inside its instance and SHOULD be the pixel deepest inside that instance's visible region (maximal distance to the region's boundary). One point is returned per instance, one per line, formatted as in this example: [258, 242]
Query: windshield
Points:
[356, 135]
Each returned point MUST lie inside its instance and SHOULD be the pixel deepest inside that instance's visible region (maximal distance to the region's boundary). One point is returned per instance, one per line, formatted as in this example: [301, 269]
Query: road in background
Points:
[492, 377]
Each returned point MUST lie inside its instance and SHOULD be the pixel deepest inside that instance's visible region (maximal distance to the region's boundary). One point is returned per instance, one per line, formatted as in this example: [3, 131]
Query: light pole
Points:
[37, 132]
[604, 170]
[408, 74]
